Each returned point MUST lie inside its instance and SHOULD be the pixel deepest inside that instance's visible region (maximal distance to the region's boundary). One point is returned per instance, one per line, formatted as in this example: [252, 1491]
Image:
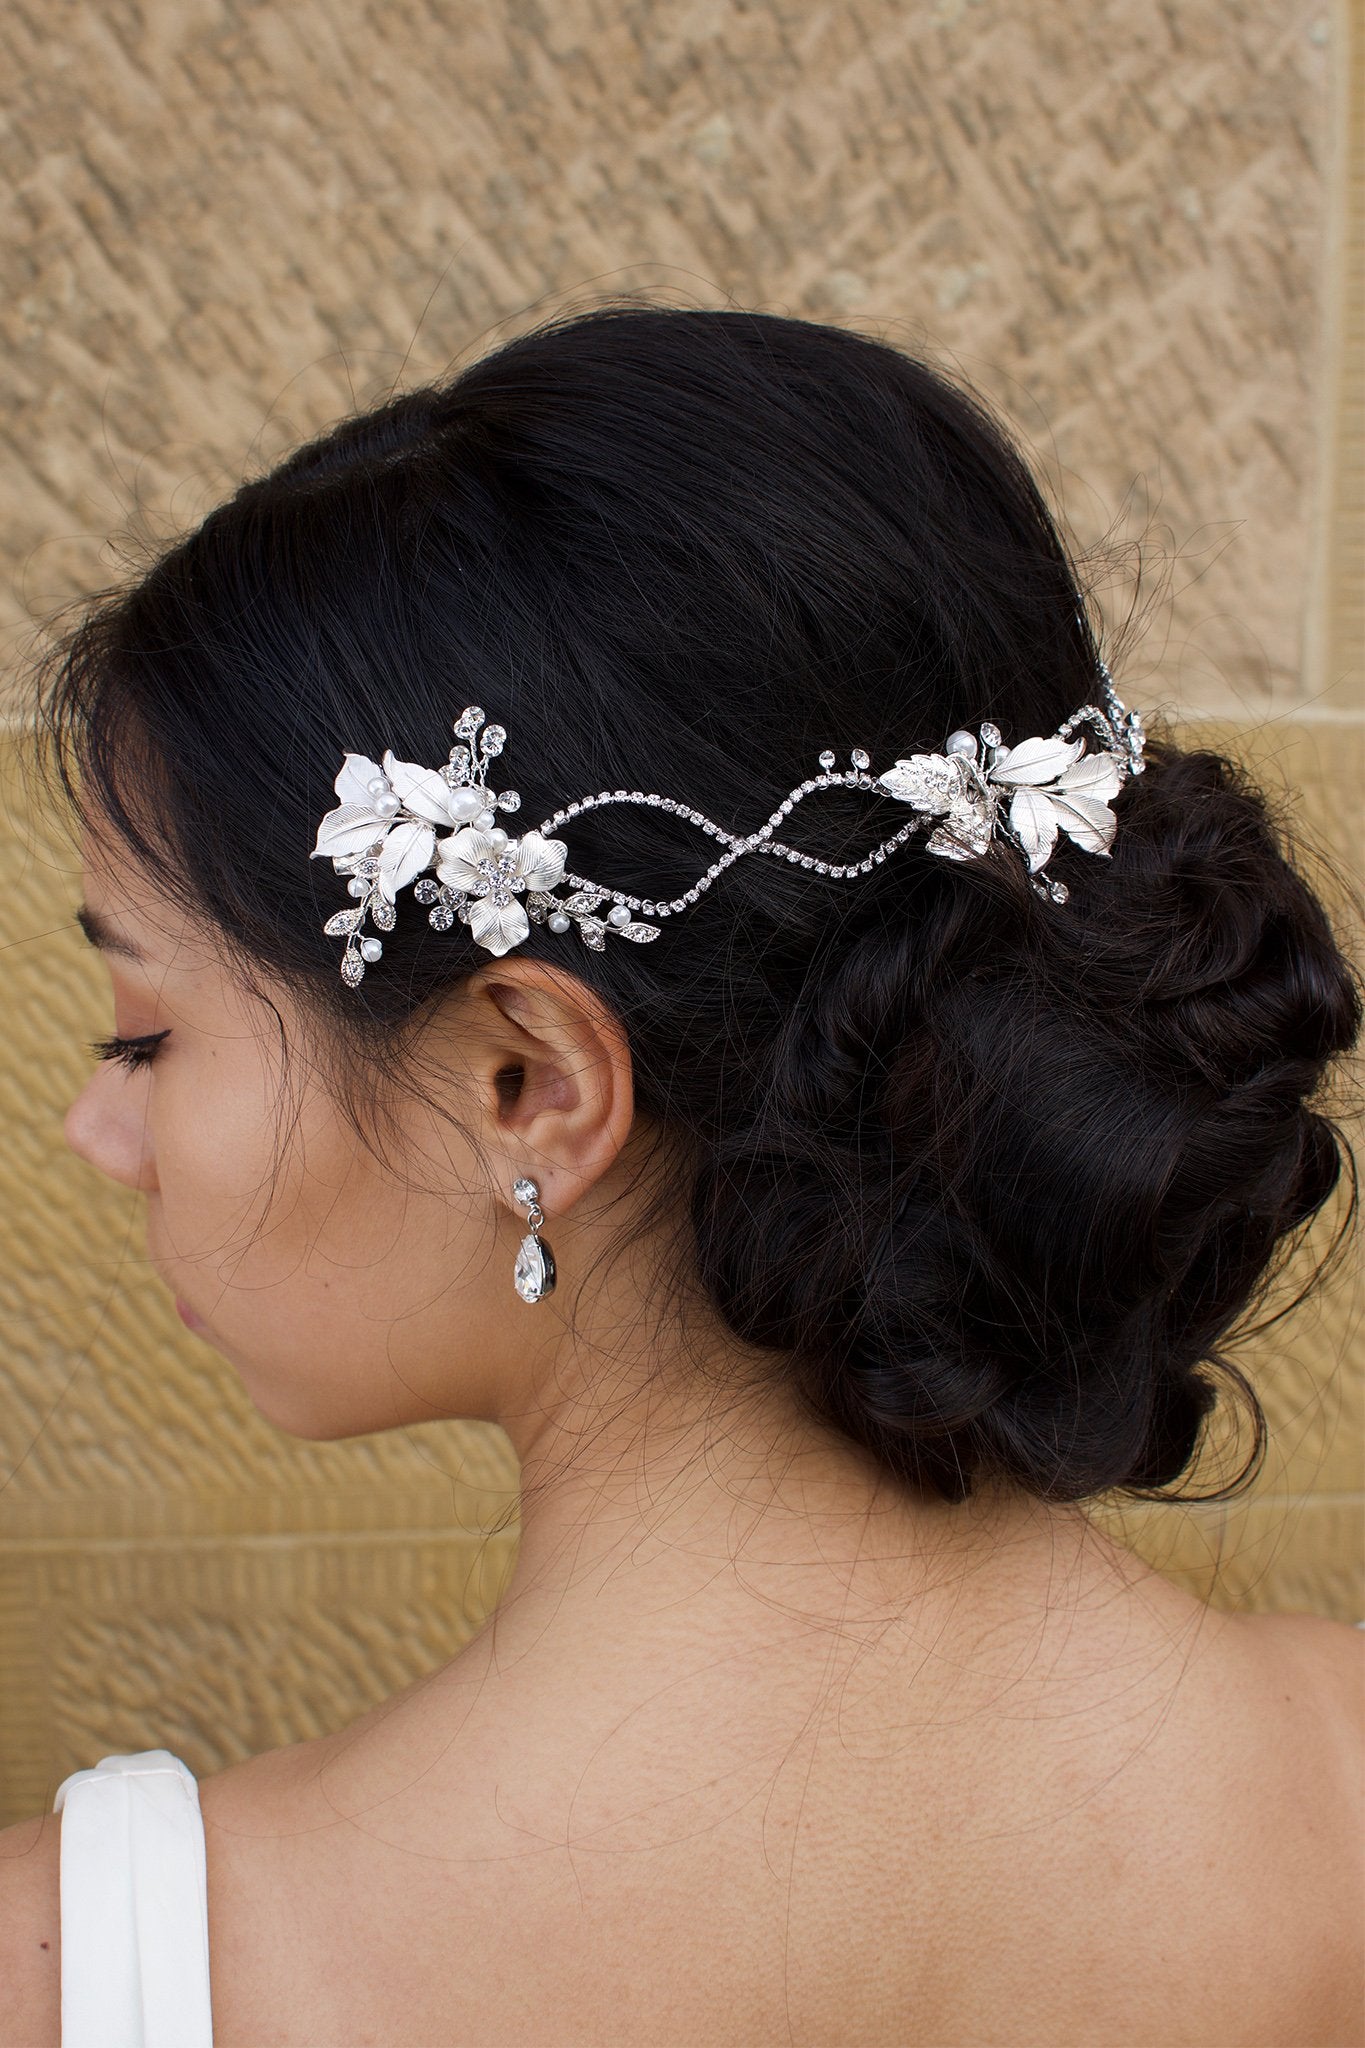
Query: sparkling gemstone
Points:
[493, 739]
[859, 757]
[524, 1190]
[508, 800]
[827, 758]
[534, 1273]
[469, 720]
[441, 918]
[991, 735]
[352, 968]
[426, 891]
[384, 914]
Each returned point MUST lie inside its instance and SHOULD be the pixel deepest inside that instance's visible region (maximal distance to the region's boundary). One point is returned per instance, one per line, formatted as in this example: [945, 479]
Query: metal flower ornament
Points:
[384, 834]
[1056, 786]
[396, 819]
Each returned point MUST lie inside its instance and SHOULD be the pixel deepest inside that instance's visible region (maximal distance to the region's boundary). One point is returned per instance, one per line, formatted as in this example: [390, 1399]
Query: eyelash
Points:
[133, 1052]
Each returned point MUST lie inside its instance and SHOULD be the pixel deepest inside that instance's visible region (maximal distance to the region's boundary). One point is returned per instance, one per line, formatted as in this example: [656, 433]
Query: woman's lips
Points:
[187, 1315]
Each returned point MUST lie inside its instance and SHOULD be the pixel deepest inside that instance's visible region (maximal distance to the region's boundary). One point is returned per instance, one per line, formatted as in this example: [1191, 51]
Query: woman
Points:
[824, 1229]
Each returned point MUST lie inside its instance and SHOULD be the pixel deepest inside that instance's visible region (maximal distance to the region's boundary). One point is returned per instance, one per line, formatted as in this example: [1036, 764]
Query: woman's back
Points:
[1138, 1823]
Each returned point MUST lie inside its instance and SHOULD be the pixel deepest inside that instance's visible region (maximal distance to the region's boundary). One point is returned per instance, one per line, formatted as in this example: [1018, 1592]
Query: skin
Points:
[727, 1633]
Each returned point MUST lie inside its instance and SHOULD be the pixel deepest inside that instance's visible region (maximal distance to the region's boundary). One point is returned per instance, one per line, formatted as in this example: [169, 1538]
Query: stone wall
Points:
[1136, 228]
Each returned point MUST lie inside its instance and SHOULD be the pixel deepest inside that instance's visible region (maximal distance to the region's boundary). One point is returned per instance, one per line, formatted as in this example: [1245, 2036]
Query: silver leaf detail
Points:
[582, 899]
[384, 914]
[593, 931]
[930, 782]
[344, 921]
[641, 933]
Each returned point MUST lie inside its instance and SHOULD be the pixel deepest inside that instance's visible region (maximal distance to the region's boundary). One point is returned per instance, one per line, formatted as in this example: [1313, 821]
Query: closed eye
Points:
[134, 1052]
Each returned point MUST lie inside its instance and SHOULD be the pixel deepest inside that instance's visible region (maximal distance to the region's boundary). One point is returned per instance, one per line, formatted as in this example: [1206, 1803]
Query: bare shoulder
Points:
[1211, 1877]
[1307, 1729]
[1321, 1664]
[29, 1928]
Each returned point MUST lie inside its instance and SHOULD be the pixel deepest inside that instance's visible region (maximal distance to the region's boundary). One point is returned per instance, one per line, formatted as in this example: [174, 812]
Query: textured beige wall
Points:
[1138, 228]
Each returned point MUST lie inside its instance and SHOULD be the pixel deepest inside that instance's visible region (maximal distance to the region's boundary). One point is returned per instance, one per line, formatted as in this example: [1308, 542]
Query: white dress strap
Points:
[134, 1906]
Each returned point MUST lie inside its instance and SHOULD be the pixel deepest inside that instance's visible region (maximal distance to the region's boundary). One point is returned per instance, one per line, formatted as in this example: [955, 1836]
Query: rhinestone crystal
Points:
[534, 1273]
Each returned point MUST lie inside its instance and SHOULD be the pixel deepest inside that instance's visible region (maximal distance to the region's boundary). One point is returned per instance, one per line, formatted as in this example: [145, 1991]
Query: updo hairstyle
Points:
[989, 1180]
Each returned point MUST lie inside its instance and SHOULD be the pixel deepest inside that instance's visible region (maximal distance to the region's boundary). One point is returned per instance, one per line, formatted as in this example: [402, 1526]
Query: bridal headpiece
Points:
[397, 820]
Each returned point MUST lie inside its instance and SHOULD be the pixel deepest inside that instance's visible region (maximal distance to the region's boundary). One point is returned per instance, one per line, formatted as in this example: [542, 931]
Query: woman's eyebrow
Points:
[105, 935]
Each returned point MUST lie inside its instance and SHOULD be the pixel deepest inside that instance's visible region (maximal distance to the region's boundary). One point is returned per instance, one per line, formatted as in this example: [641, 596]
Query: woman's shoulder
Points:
[1164, 1835]
[30, 1933]
[1208, 1842]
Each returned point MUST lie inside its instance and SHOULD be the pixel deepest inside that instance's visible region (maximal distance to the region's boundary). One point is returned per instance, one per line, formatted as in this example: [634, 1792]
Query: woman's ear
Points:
[553, 1072]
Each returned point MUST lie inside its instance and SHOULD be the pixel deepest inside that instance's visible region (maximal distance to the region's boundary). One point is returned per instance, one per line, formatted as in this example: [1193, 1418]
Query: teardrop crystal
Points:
[534, 1274]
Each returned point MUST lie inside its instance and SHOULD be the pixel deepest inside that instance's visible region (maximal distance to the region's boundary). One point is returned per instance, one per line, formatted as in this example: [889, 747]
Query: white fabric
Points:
[134, 1906]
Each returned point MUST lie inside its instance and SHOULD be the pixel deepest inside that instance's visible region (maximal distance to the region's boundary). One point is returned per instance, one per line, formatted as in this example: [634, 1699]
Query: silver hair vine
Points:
[396, 820]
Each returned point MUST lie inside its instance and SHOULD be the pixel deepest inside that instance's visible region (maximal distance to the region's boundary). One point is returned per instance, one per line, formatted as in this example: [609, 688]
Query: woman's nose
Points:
[107, 1126]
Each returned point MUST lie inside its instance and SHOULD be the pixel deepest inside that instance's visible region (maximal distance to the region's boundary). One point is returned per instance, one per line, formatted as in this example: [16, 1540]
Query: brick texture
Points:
[1137, 229]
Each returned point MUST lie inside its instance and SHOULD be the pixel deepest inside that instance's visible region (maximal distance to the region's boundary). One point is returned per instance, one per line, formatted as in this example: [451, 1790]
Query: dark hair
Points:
[991, 1178]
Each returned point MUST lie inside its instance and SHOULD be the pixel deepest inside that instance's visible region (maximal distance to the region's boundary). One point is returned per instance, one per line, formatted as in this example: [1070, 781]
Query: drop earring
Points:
[533, 1276]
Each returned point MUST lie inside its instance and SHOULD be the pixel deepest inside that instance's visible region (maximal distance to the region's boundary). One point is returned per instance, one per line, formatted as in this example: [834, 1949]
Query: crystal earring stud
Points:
[534, 1273]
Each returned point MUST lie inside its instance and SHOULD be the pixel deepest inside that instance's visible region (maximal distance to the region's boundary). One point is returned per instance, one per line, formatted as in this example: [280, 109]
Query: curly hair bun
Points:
[1017, 1171]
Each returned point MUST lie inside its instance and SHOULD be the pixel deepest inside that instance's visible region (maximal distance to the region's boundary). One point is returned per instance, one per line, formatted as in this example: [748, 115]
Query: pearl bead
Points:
[370, 949]
[496, 834]
[464, 804]
[618, 914]
[558, 921]
[355, 887]
[960, 742]
[387, 806]
[484, 821]
[378, 785]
